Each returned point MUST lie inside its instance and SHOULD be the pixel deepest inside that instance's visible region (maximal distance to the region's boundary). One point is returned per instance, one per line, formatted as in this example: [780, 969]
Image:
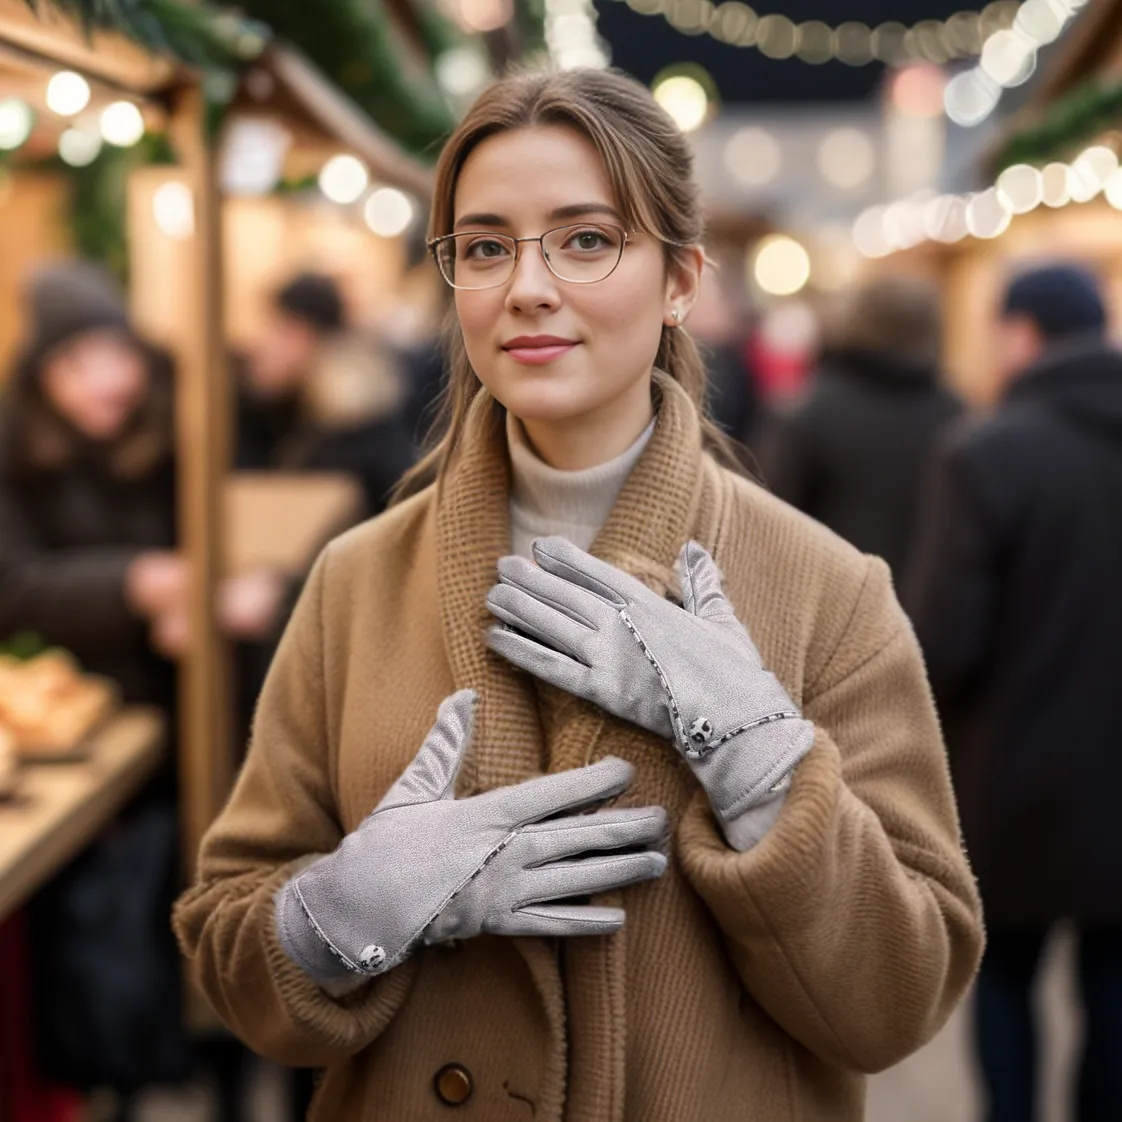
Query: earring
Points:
[676, 316]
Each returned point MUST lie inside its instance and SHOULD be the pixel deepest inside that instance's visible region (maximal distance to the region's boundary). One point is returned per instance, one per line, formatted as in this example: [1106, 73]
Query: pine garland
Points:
[349, 40]
[1080, 116]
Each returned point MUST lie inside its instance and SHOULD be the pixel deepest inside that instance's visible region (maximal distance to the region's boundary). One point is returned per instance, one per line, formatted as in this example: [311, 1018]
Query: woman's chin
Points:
[541, 398]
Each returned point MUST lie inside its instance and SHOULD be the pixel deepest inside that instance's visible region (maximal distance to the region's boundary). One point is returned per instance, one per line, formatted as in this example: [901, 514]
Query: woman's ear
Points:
[683, 280]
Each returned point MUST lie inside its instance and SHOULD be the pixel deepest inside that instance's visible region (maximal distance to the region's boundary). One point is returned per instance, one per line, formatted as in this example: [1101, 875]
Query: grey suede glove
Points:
[690, 673]
[425, 867]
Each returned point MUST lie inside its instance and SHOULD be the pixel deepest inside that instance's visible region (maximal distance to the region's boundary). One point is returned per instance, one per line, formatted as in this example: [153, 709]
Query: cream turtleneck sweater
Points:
[546, 500]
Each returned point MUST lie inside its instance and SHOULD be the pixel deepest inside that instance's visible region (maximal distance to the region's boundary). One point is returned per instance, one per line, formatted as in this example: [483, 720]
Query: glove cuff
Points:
[302, 943]
[747, 767]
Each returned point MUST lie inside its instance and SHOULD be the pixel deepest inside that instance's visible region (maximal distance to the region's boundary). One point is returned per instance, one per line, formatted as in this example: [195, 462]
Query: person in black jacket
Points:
[315, 395]
[1017, 599]
[852, 451]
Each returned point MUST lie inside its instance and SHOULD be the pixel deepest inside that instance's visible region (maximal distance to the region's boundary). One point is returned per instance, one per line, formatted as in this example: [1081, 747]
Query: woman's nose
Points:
[533, 285]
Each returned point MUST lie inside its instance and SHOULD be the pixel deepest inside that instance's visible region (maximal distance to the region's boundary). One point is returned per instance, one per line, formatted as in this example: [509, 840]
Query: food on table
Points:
[47, 704]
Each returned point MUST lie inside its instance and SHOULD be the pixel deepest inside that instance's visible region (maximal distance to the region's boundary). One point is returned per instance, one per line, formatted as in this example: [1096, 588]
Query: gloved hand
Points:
[690, 673]
[426, 867]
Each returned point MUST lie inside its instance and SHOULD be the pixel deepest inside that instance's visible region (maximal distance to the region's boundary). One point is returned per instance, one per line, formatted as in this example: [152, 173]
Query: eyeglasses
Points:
[580, 254]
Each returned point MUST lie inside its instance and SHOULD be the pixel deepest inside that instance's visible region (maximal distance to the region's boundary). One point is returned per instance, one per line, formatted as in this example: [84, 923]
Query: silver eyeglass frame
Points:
[434, 247]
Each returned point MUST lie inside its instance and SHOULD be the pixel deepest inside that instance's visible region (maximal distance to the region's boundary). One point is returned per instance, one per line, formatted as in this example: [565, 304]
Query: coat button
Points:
[453, 1084]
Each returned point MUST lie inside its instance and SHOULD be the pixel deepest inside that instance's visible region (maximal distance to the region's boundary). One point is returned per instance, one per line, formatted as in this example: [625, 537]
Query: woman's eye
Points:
[588, 240]
[485, 249]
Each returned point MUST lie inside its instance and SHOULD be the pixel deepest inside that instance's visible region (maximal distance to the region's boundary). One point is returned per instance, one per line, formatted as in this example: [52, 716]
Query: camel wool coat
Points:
[745, 987]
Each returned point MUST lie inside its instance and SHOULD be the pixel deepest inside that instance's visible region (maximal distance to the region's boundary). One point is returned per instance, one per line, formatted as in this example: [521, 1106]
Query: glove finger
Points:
[564, 791]
[565, 879]
[550, 666]
[613, 828]
[578, 604]
[702, 594]
[563, 559]
[432, 774]
[546, 622]
[561, 920]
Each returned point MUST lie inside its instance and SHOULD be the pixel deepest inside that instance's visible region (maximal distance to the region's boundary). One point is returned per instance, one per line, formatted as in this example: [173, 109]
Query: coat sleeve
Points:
[281, 815]
[71, 597]
[855, 922]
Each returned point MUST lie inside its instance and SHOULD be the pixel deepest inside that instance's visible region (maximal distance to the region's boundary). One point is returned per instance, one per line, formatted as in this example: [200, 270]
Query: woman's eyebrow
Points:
[575, 210]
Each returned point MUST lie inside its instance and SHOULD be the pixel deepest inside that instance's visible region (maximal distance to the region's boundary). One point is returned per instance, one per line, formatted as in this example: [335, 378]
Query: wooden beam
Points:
[57, 38]
[206, 714]
[338, 118]
[1091, 47]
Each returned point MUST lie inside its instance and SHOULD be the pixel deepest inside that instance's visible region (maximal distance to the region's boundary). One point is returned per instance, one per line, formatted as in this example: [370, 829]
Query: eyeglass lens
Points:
[580, 254]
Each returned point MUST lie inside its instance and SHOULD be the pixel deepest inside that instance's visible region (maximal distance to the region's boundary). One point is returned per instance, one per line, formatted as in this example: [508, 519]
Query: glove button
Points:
[453, 1084]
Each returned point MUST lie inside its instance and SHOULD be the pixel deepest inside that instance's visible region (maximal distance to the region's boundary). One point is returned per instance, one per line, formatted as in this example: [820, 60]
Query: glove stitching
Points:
[672, 701]
[419, 934]
[412, 941]
[322, 934]
[684, 742]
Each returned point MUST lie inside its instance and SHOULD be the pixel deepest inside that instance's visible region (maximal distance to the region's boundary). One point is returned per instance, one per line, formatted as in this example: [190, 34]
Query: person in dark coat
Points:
[851, 452]
[88, 563]
[314, 395]
[1016, 596]
[87, 487]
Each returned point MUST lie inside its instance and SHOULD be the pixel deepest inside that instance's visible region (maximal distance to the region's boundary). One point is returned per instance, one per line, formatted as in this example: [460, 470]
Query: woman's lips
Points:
[539, 356]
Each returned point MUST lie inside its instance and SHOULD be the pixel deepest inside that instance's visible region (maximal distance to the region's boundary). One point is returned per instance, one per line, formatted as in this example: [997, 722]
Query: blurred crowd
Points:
[1003, 530]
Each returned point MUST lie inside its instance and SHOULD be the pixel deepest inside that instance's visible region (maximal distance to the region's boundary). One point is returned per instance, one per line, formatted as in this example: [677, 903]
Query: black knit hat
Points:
[313, 298]
[1060, 299]
[69, 299]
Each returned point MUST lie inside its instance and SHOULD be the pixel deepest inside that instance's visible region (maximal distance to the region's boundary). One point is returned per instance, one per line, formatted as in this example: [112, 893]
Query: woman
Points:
[355, 910]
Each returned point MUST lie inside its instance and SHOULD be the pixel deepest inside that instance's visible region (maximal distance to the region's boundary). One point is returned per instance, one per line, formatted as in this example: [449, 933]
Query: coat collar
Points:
[524, 727]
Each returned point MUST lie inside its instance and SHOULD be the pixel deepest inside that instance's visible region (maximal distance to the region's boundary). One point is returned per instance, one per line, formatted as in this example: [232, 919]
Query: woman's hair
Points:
[650, 167]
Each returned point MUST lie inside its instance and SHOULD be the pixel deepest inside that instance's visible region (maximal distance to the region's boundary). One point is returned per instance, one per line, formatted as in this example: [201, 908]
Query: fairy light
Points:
[776, 36]
[883, 229]
[1008, 58]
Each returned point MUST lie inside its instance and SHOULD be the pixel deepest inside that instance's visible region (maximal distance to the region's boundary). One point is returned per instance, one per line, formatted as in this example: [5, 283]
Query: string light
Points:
[16, 123]
[776, 36]
[68, 93]
[388, 212]
[1008, 58]
[571, 37]
[880, 230]
[122, 124]
[343, 179]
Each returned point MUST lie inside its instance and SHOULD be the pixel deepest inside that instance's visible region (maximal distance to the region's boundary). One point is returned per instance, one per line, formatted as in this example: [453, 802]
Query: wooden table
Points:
[60, 807]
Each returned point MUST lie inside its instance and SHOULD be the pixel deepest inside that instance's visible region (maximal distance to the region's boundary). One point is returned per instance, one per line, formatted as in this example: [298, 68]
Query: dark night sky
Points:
[643, 45]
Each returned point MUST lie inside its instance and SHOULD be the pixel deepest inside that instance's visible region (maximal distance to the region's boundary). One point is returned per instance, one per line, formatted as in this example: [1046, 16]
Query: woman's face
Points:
[96, 382]
[592, 386]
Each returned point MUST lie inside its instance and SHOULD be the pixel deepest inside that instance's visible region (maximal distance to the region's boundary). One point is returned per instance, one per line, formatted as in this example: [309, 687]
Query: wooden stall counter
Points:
[60, 807]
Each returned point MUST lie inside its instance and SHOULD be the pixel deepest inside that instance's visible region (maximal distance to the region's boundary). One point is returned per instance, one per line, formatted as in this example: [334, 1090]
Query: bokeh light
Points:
[388, 212]
[122, 124]
[68, 93]
[684, 98]
[753, 156]
[16, 123]
[781, 266]
[343, 179]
